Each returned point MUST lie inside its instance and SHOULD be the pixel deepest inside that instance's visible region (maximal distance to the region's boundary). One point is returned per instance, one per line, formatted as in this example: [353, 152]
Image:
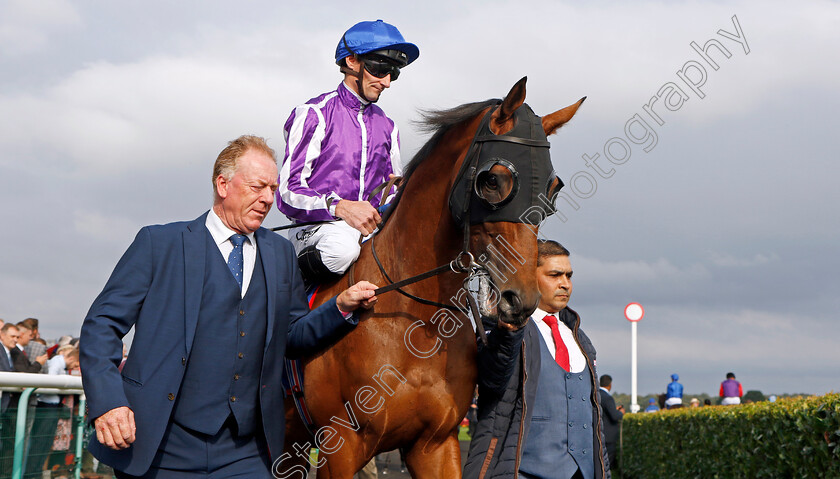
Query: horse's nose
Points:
[513, 308]
[511, 302]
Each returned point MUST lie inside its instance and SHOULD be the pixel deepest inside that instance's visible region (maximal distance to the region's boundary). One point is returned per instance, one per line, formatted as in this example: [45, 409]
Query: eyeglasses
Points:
[381, 68]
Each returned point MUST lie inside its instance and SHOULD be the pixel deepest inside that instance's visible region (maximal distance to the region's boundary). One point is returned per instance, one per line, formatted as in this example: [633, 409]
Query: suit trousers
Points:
[188, 454]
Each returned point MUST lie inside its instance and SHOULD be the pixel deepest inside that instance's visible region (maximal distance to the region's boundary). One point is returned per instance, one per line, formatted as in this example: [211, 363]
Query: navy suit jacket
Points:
[156, 287]
[5, 366]
[21, 362]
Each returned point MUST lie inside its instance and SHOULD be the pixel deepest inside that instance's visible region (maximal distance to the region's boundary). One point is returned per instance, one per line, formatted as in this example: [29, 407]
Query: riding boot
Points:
[312, 268]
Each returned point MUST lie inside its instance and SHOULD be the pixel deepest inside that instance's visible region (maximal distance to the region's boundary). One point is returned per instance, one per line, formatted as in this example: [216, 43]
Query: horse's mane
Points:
[437, 122]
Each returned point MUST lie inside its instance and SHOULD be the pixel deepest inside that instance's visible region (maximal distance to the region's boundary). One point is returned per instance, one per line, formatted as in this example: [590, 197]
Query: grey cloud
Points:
[727, 226]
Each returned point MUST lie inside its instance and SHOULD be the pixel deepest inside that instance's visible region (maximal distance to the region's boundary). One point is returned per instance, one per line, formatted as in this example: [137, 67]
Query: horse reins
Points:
[456, 265]
[464, 262]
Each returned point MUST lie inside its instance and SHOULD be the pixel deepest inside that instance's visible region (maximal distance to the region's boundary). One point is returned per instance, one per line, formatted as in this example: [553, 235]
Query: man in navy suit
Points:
[215, 304]
[9, 335]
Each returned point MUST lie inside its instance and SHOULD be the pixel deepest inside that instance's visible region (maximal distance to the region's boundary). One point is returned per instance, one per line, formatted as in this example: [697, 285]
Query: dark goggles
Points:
[381, 68]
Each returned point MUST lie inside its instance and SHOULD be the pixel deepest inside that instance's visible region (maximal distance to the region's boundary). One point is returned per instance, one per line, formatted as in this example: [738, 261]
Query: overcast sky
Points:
[723, 222]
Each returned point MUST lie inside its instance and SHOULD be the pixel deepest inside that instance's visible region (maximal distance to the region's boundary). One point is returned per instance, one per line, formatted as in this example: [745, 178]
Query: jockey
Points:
[339, 147]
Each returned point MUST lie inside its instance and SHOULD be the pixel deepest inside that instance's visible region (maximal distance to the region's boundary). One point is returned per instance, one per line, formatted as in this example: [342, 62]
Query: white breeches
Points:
[337, 242]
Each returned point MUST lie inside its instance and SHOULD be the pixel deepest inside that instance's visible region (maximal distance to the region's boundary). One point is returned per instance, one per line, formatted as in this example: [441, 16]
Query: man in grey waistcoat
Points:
[538, 402]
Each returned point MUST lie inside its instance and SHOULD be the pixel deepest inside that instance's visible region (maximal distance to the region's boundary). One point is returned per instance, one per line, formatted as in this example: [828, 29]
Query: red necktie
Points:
[561, 353]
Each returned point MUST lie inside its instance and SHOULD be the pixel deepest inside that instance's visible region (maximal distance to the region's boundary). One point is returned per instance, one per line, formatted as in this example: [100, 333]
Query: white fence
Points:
[26, 384]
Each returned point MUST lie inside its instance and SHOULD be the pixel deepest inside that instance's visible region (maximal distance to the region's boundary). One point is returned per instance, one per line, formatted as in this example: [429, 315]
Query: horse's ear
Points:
[514, 99]
[557, 119]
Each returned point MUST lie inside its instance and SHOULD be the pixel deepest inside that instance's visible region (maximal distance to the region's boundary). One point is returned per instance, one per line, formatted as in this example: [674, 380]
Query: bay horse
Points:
[405, 376]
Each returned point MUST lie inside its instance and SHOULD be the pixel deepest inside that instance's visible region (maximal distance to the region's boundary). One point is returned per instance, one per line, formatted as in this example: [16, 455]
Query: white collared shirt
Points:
[577, 361]
[221, 236]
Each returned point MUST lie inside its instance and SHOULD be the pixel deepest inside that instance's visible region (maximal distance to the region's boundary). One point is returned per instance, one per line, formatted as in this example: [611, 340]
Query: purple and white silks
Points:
[337, 147]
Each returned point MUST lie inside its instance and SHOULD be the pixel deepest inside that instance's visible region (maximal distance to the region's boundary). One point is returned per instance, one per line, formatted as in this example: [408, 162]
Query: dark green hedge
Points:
[791, 438]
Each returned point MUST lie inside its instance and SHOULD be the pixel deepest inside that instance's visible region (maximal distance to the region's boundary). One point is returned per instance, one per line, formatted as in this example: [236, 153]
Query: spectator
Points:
[385, 458]
[21, 362]
[612, 419]
[731, 391]
[62, 341]
[652, 407]
[49, 411]
[674, 392]
[32, 324]
[8, 338]
[695, 402]
[707, 402]
[31, 348]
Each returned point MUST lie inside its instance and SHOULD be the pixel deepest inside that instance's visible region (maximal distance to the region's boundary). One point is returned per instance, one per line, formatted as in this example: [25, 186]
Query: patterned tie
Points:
[561, 353]
[235, 260]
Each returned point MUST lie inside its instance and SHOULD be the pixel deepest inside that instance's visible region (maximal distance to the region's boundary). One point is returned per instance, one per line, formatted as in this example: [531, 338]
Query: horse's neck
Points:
[423, 224]
[420, 233]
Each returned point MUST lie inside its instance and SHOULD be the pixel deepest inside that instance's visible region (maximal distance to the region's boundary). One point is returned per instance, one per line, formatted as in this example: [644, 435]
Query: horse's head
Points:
[504, 189]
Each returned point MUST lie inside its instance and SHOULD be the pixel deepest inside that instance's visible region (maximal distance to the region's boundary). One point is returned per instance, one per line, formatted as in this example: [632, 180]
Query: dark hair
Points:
[546, 248]
[31, 323]
[730, 375]
[23, 325]
[606, 380]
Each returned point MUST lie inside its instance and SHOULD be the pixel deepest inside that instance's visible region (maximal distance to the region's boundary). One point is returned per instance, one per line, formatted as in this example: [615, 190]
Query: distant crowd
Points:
[730, 394]
[24, 351]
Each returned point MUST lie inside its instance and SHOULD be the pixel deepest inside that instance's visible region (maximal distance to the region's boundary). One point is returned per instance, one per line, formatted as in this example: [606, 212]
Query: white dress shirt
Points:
[221, 236]
[577, 361]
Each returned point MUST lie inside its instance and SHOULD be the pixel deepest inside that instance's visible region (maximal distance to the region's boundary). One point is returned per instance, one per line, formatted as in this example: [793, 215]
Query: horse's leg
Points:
[295, 455]
[344, 463]
[435, 461]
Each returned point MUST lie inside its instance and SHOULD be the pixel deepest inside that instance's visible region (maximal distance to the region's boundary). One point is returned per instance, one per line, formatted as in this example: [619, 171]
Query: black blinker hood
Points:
[526, 148]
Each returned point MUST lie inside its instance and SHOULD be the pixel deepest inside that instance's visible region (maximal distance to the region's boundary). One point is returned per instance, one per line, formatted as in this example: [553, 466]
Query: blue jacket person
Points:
[215, 304]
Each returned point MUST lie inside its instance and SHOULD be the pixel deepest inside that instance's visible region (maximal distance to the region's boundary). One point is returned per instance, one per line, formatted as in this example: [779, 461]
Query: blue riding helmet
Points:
[675, 377]
[380, 37]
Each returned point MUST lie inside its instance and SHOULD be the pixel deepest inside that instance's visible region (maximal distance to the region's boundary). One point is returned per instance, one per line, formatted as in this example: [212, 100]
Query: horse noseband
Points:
[523, 155]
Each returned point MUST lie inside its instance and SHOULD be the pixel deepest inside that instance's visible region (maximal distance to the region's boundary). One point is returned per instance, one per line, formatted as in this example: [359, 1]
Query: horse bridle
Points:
[464, 262]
